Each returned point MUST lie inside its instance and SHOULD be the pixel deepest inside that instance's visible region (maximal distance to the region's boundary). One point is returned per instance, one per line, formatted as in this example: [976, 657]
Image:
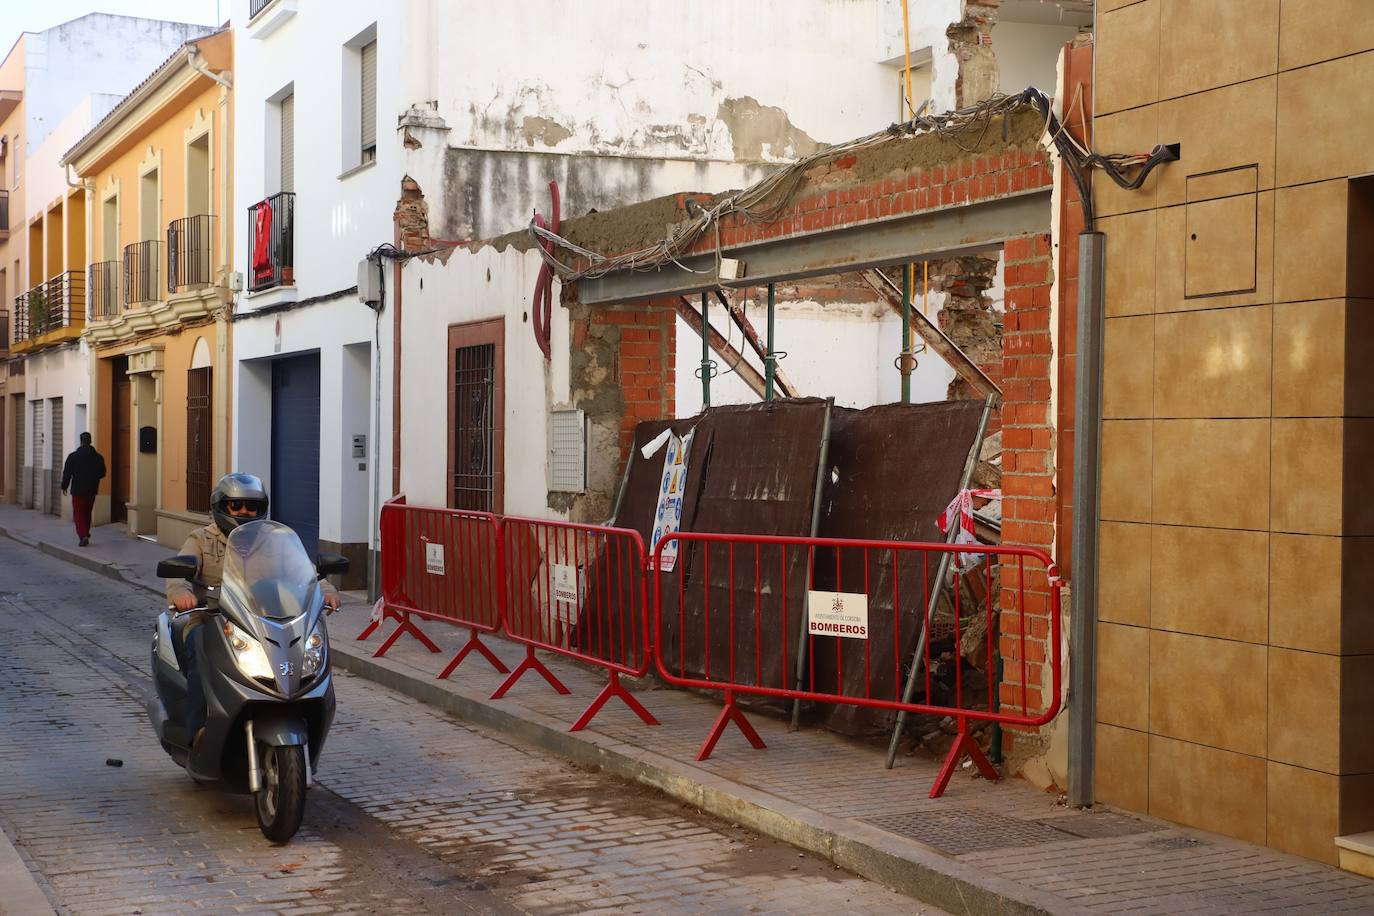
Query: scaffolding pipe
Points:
[914, 670]
[905, 358]
[705, 351]
[802, 639]
[770, 360]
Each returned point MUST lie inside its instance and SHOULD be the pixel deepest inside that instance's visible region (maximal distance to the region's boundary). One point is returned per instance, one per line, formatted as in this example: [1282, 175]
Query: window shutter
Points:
[369, 98]
[288, 143]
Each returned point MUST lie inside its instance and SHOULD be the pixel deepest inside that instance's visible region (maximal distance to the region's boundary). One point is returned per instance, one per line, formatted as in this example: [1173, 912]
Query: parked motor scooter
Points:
[264, 662]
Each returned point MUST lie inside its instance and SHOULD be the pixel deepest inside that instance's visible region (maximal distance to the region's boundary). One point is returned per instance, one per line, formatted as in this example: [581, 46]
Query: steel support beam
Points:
[944, 233]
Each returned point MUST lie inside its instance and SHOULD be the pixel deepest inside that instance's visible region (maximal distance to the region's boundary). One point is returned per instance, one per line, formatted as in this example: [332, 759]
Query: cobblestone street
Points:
[412, 811]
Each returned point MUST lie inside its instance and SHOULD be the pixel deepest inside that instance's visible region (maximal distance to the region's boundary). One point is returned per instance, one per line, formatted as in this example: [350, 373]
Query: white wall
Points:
[339, 216]
[332, 330]
[927, 21]
[99, 53]
[472, 286]
[1028, 54]
[845, 350]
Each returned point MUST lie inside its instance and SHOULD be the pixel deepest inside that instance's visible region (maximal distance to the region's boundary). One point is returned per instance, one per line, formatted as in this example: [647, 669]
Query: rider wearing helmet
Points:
[236, 500]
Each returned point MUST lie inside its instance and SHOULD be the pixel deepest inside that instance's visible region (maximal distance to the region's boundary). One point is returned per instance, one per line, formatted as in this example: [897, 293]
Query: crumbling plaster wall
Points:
[623, 106]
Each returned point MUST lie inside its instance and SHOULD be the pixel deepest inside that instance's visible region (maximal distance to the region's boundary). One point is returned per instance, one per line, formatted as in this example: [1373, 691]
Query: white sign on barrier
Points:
[434, 558]
[842, 614]
[564, 583]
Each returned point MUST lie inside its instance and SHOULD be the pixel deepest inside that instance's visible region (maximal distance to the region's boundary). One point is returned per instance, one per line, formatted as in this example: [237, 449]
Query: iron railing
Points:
[188, 252]
[271, 244]
[60, 302]
[4, 211]
[103, 286]
[140, 273]
[257, 6]
[4, 331]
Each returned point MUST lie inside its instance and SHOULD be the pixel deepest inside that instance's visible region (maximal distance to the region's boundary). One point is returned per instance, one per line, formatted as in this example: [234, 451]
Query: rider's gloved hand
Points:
[184, 602]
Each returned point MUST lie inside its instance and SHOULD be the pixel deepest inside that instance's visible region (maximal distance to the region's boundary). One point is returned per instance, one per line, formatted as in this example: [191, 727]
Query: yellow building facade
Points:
[11, 266]
[1235, 634]
[157, 175]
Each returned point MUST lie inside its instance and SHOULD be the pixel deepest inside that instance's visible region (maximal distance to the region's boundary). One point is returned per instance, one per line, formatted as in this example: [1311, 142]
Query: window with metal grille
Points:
[368, 54]
[474, 453]
[198, 440]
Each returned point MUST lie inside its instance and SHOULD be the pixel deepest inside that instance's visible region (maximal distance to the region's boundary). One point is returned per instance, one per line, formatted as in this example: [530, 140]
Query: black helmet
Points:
[237, 486]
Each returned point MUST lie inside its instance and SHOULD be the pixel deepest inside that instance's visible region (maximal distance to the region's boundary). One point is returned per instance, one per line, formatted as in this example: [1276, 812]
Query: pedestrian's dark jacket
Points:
[83, 471]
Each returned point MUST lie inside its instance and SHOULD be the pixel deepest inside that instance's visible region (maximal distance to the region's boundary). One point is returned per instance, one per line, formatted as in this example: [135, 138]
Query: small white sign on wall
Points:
[434, 558]
[843, 614]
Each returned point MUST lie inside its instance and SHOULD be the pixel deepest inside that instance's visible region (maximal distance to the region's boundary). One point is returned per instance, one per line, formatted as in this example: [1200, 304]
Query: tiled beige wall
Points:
[1236, 634]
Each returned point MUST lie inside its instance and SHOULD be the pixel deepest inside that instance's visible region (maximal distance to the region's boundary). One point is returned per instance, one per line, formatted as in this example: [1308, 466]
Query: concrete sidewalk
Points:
[982, 848]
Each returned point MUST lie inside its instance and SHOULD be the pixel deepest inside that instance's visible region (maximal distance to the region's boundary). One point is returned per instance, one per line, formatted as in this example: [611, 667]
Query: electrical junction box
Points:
[731, 269]
[370, 282]
[567, 451]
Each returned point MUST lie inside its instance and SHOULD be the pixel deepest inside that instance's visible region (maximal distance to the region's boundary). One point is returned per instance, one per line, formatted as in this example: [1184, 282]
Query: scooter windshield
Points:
[268, 572]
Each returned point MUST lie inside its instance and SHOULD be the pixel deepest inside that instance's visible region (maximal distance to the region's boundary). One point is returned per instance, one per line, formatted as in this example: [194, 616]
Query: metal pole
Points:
[904, 360]
[970, 463]
[802, 641]
[770, 362]
[1082, 707]
[705, 352]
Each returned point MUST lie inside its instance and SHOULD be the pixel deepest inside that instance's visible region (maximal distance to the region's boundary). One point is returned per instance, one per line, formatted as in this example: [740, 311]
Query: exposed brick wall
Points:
[1030, 503]
[639, 343]
[975, 177]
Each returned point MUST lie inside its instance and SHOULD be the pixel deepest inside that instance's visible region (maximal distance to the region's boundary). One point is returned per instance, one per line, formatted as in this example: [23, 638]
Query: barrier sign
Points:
[842, 614]
[668, 515]
[434, 558]
[564, 583]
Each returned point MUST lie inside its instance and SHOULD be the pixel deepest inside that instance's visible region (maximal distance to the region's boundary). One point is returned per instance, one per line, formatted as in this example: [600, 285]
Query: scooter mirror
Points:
[331, 564]
[179, 567]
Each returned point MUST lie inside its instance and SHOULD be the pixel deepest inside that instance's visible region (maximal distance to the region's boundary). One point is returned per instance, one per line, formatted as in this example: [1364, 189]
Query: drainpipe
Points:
[705, 351]
[770, 361]
[904, 360]
[197, 62]
[1086, 486]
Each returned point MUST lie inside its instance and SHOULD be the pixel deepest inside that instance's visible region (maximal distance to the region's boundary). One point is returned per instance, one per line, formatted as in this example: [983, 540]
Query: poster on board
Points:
[668, 513]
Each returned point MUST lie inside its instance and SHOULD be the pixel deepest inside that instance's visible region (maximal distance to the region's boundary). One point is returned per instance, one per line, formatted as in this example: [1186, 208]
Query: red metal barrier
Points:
[738, 611]
[579, 591]
[441, 564]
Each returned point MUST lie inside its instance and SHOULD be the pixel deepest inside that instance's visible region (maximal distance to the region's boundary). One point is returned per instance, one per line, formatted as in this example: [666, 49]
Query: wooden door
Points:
[198, 440]
[121, 449]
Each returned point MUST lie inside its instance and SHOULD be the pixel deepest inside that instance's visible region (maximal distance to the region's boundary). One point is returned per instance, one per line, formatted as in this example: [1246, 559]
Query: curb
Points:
[867, 852]
[20, 892]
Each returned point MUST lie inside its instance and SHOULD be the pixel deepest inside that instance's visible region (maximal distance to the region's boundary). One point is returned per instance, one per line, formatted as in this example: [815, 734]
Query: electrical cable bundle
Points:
[766, 200]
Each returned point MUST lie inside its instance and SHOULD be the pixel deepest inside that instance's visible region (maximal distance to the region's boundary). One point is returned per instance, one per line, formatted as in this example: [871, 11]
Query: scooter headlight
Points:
[248, 653]
[315, 647]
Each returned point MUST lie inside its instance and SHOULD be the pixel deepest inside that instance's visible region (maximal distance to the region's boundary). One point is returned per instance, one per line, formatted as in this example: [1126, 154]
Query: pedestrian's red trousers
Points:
[81, 514]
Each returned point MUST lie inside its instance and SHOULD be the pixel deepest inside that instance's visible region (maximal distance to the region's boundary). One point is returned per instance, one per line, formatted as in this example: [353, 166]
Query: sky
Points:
[18, 16]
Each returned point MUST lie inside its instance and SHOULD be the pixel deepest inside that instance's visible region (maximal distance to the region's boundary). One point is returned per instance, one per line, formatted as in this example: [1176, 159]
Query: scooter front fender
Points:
[280, 730]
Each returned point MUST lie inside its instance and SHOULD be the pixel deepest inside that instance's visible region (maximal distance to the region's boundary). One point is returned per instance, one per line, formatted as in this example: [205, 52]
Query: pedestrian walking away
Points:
[81, 475]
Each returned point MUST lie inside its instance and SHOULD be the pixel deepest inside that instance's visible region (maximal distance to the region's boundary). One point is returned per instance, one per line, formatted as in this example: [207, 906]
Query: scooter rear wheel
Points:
[280, 803]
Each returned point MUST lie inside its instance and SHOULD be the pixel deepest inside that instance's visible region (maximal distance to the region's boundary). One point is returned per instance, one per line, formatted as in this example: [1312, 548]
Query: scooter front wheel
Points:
[280, 803]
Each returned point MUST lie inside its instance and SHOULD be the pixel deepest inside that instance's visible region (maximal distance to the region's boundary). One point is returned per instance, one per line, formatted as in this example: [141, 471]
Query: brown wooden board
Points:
[751, 470]
[891, 471]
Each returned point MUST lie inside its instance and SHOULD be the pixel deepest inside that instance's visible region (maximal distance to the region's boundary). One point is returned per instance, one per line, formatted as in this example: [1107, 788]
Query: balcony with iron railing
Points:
[189, 252]
[271, 242]
[140, 274]
[102, 285]
[52, 312]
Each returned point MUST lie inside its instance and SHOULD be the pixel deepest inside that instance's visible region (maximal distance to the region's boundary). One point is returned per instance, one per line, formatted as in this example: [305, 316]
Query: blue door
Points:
[296, 446]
